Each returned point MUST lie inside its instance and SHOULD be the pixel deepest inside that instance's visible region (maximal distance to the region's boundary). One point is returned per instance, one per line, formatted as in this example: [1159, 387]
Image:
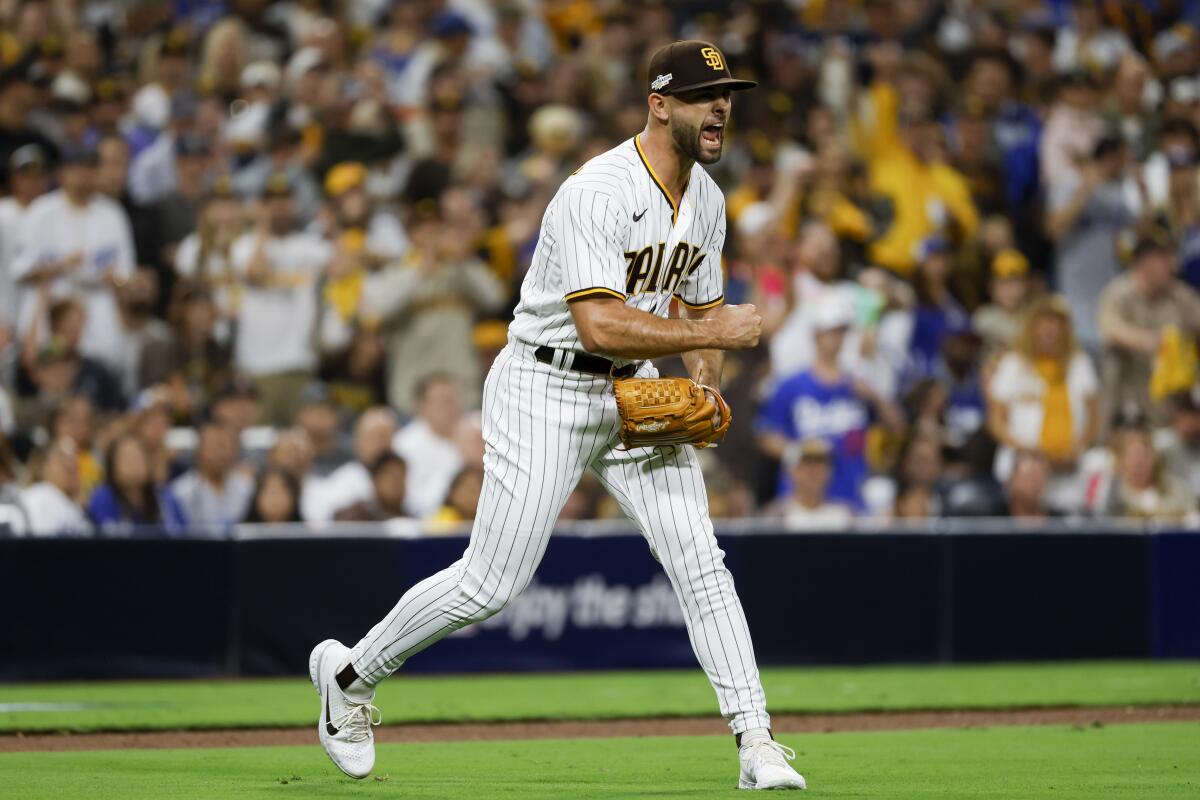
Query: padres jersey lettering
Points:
[612, 230]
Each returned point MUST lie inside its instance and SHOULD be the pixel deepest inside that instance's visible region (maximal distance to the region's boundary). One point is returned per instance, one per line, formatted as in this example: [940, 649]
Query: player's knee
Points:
[488, 604]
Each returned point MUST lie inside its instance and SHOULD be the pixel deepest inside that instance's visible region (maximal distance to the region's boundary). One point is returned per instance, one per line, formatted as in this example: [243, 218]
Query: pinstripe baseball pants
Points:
[542, 428]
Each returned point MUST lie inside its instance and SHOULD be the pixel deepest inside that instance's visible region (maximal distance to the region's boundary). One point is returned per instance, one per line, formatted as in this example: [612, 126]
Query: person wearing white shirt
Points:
[50, 504]
[82, 243]
[427, 445]
[808, 506]
[26, 182]
[213, 493]
[351, 483]
[281, 266]
[792, 347]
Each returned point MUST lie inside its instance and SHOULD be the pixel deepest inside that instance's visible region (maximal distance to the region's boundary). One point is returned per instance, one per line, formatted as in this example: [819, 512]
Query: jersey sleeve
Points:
[704, 285]
[589, 234]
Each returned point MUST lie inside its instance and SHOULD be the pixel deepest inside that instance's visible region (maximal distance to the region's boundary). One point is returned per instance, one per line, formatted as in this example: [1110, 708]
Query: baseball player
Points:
[627, 232]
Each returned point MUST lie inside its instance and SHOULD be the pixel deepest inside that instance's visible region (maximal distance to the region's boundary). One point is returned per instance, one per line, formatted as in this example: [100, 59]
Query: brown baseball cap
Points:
[691, 64]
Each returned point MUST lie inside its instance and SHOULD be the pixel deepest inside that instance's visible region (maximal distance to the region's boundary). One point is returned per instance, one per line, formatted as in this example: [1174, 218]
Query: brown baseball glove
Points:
[661, 411]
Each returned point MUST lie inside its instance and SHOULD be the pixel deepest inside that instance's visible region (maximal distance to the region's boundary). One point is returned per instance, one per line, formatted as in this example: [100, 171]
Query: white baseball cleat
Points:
[765, 766]
[344, 726]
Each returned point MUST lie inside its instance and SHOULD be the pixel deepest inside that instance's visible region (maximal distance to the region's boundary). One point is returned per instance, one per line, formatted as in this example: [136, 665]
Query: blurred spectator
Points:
[351, 483]
[1165, 171]
[293, 453]
[14, 521]
[131, 497]
[152, 424]
[462, 498]
[18, 98]
[27, 181]
[281, 265]
[999, 321]
[959, 372]
[938, 313]
[75, 421]
[427, 444]
[1073, 129]
[1086, 211]
[1146, 316]
[386, 499]
[930, 198]
[1026, 486]
[52, 503]
[1143, 488]
[318, 418]
[56, 370]
[820, 281]
[1014, 129]
[429, 303]
[1128, 114]
[824, 402]
[914, 501]
[1044, 396]
[1086, 42]
[81, 244]
[236, 406]
[148, 340]
[276, 498]
[807, 507]
[177, 212]
[1179, 444]
[202, 259]
[195, 366]
[214, 492]
[354, 214]
[281, 163]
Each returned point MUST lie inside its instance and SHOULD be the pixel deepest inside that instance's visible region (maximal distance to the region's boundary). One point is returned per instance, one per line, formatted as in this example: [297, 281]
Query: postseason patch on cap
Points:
[661, 82]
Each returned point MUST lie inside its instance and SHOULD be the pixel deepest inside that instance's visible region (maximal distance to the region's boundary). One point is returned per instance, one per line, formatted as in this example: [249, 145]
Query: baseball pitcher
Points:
[574, 390]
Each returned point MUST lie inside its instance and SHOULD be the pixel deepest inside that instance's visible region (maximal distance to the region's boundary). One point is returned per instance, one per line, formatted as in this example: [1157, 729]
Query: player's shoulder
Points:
[607, 175]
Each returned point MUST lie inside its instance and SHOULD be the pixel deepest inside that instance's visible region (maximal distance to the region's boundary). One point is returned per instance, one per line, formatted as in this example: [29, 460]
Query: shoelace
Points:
[357, 721]
[773, 752]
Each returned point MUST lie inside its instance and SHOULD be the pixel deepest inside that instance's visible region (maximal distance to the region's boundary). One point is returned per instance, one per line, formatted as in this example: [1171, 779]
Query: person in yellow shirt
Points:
[927, 196]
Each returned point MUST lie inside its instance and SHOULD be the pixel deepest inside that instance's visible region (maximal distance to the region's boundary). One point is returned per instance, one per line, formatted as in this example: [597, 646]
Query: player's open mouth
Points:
[712, 133]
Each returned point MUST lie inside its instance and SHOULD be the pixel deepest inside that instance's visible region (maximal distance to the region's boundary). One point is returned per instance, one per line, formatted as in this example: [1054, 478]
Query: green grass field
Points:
[1128, 761]
[598, 695]
[1117, 761]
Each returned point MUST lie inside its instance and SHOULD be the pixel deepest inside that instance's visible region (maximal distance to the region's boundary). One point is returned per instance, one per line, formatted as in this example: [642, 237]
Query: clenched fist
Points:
[737, 327]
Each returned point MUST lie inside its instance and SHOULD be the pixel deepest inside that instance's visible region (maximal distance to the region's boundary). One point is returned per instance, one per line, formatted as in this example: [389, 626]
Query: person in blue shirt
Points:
[129, 499]
[938, 313]
[825, 402]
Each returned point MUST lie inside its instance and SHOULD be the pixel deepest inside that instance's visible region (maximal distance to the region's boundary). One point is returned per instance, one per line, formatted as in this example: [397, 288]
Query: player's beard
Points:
[687, 139]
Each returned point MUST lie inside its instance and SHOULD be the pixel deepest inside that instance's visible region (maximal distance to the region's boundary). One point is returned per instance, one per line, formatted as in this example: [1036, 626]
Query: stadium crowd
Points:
[256, 258]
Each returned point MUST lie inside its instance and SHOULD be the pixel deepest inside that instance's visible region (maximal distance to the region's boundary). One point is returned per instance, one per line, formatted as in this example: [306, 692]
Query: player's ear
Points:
[659, 107]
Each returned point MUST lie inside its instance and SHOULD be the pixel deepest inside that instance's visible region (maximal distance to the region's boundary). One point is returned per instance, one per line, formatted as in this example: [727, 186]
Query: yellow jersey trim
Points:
[637, 142]
[594, 290]
[702, 306]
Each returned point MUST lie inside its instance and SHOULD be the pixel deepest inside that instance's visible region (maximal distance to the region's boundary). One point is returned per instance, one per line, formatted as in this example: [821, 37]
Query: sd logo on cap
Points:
[691, 64]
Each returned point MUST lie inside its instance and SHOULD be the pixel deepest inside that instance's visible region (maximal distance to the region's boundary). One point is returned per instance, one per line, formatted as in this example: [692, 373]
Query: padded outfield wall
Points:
[254, 602]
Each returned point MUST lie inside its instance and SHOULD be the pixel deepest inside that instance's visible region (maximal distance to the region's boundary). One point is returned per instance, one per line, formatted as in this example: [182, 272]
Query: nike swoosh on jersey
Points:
[638, 217]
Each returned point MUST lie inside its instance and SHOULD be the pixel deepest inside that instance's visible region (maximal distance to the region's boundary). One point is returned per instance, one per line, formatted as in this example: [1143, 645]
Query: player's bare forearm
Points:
[608, 327]
[704, 366]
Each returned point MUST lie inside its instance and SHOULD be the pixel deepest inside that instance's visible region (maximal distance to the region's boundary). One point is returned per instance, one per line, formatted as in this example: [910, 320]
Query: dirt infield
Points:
[442, 732]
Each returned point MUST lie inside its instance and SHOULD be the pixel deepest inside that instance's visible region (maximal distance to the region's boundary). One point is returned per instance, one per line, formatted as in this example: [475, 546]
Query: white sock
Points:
[357, 691]
[755, 735]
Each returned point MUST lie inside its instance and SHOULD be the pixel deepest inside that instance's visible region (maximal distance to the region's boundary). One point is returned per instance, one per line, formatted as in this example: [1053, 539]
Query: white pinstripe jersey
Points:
[613, 231]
